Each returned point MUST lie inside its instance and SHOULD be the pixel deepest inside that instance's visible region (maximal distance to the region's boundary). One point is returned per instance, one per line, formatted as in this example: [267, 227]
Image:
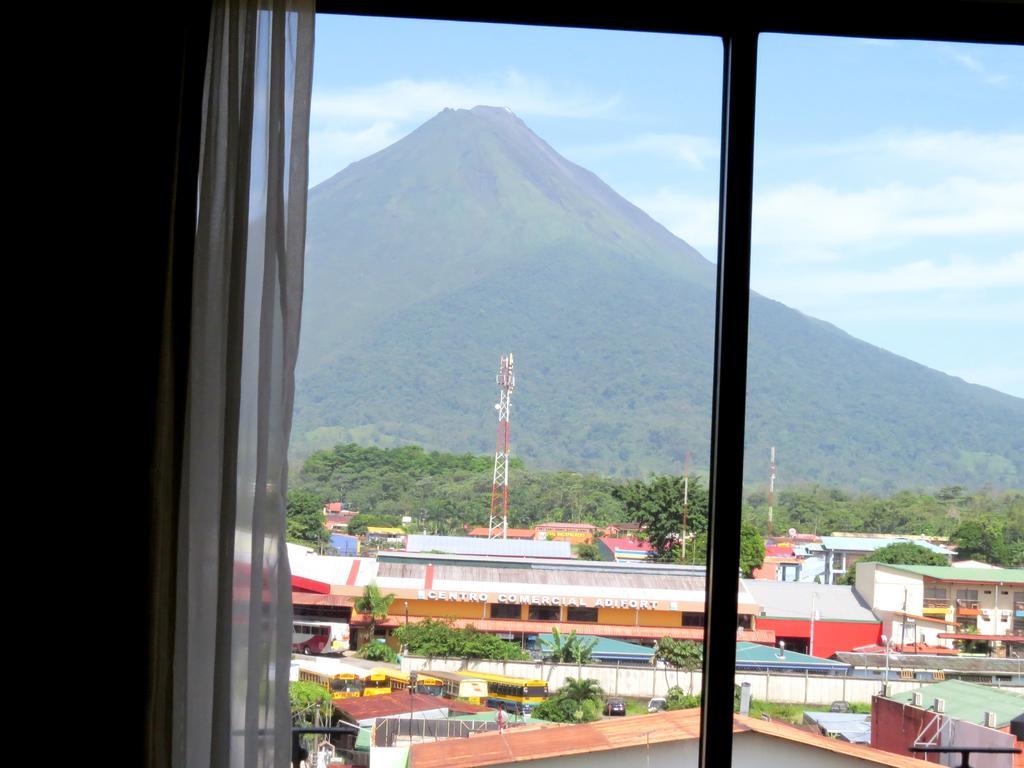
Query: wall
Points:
[644, 681]
[829, 636]
[896, 726]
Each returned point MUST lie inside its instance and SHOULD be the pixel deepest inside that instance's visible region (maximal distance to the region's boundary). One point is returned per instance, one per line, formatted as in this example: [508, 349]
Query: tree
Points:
[310, 703]
[751, 549]
[981, 539]
[305, 518]
[378, 652]
[677, 698]
[657, 504]
[577, 701]
[685, 655]
[904, 553]
[569, 648]
[374, 604]
[438, 638]
[588, 552]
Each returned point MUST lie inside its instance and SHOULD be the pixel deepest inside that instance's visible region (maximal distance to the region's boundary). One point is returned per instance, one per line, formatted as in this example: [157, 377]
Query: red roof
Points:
[777, 550]
[966, 636]
[628, 543]
[310, 585]
[582, 628]
[527, 744]
[333, 506]
[389, 704]
[306, 598]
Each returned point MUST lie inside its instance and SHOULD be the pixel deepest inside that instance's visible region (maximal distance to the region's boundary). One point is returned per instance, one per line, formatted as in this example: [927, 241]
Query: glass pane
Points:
[884, 411]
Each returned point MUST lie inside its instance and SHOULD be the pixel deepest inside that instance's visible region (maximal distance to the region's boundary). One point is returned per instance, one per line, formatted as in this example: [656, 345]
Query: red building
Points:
[842, 620]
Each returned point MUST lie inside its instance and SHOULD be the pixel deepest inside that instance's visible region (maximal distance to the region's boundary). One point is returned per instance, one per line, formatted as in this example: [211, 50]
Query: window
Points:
[505, 611]
[574, 613]
[693, 619]
[935, 593]
[965, 22]
[968, 595]
[545, 613]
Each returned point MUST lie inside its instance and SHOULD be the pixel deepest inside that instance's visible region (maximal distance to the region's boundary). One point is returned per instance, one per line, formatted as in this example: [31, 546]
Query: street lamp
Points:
[412, 688]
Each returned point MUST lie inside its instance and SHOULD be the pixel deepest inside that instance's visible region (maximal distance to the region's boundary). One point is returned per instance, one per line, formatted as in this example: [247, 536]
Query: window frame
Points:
[963, 21]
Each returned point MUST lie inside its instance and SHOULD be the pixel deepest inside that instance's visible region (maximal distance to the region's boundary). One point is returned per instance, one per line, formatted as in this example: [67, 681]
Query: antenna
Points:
[497, 527]
[771, 491]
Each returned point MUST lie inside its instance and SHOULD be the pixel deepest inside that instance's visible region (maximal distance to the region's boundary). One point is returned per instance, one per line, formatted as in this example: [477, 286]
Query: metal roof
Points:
[870, 544]
[964, 664]
[607, 647]
[968, 701]
[527, 744]
[949, 573]
[849, 726]
[793, 599]
[467, 545]
[756, 655]
[390, 704]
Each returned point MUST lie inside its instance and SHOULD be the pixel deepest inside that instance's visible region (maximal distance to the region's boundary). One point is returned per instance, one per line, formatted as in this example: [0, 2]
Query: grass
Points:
[794, 713]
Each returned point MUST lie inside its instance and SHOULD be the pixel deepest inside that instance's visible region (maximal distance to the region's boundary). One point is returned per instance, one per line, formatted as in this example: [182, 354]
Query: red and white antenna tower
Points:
[506, 380]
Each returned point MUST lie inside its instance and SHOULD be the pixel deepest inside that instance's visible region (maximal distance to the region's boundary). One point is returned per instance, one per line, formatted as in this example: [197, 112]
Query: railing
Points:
[965, 752]
[936, 602]
[299, 754]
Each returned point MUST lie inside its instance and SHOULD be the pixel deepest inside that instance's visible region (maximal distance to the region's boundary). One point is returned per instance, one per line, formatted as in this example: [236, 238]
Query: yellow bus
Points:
[513, 694]
[340, 684]
[425, 683]
[375, 681]
[465, 686]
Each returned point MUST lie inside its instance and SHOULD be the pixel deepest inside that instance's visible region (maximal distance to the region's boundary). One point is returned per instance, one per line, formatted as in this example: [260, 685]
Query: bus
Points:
[339, 682]
[376, 681]
[316, 637]
[458, 686]
[425, 683]
[513, 694]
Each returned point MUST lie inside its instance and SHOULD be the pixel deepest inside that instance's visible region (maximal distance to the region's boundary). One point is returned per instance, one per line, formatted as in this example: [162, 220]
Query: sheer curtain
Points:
[233, 615]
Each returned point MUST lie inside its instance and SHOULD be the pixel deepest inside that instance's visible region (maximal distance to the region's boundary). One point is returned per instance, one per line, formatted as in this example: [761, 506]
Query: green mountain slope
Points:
[472, 236]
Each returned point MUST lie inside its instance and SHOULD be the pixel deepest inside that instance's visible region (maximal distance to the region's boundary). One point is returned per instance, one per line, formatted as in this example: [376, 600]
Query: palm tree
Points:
[375, 604]
[569, 648]
[582, 690]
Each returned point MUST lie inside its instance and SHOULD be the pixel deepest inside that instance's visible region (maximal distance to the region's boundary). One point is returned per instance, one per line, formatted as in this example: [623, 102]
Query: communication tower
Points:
[506, 380]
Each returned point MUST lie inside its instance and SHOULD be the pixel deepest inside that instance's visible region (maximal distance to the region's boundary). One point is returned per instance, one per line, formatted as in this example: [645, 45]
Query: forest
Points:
[445, 492]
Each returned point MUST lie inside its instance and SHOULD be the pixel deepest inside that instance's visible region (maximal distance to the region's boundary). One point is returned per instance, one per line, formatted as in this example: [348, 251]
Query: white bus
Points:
[315, 637]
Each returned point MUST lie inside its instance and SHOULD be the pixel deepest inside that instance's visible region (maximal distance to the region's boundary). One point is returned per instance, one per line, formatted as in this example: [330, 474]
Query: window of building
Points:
[505, 611]
[936, 593]
[969, 595]
[693, 619]
[545, 613]
[574, 613]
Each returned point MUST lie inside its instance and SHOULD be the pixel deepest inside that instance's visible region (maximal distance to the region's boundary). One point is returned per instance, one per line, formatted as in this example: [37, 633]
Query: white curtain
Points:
[233, 612]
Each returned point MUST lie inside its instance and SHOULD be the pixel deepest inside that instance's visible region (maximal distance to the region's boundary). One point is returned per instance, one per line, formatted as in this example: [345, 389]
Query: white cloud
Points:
[969, 61]
[812, 218]
[692, 217]
[331, 150]
[974, 65]
[695, 151]
[406, 100]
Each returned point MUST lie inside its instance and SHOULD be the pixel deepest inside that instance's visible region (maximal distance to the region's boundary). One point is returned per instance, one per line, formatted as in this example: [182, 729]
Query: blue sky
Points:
[889, 187]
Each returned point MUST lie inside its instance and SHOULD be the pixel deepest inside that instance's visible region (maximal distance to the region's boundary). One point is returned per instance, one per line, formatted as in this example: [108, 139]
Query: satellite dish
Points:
[792, 531]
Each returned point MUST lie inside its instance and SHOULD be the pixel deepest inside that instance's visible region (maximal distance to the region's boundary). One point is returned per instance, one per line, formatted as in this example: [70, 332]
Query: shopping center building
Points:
[519, 598]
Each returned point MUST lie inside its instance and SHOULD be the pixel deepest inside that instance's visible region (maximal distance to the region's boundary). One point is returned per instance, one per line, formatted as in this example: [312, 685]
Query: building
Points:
[466, 545]
[521, 598]
[577, 533]
[339, 521]
[378, 535]
[930, 667]
[841, 553]
[754, 657]
[625, 549]
[936, 605]
[781, 563]
[662, 739]
[950, 713]
[842, 619]
[511, 533]
[606, 649]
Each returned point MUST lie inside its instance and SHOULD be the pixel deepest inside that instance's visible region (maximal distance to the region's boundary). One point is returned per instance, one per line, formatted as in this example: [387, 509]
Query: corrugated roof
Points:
[606, 646]
[390, 704]
[512, 533]
[979, 664]
[792, 600]
[870, 544]
[849, 726]
[626, 544]
[607, 630]
[466, 545]
[753, 653]
[949, 573]
[518, 745]
[968, 701]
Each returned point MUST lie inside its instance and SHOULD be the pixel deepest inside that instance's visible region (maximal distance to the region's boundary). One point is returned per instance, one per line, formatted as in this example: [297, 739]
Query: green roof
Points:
[483, 717]
[949, 573]
[969, 701]
[607, 646]
[363, 743]
[755, 653]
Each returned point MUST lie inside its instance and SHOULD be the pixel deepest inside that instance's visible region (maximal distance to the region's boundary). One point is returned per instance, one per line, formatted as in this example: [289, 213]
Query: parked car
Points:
[615, 706]
[657, 705]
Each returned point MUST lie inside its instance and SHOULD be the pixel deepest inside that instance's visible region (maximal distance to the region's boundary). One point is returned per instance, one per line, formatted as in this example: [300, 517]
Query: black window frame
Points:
[738, 25]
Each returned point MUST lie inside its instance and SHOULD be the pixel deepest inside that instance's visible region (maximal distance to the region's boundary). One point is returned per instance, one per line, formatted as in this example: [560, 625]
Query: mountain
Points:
[471, 237]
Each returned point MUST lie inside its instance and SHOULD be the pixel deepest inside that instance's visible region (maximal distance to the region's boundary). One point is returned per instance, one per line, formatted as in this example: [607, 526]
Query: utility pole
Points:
[771, 491]
[686, 502]
[497, 526]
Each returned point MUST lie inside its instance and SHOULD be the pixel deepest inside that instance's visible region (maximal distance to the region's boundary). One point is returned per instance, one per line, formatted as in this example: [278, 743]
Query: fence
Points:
[647, 682]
